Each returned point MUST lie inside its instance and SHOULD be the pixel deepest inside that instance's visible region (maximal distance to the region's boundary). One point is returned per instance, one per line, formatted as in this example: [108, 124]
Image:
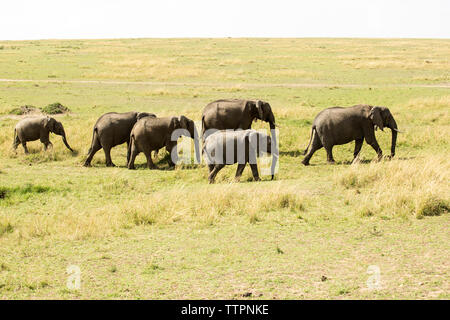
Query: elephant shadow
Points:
[291, 153]
[160, 167]
[367, 161]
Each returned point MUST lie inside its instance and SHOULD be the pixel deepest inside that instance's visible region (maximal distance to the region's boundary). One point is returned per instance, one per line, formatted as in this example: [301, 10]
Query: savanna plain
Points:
[312, 233]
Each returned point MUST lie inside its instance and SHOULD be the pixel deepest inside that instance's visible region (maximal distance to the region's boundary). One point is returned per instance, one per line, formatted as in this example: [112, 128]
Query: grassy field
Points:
[312, 233]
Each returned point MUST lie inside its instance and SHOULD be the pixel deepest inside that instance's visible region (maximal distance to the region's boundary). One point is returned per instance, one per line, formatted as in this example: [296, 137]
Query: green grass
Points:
[169, 234]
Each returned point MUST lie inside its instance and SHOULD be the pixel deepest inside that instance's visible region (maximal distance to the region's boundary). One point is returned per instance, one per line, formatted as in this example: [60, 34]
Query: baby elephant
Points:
[227, 147]
[151, 134]
[31, 129]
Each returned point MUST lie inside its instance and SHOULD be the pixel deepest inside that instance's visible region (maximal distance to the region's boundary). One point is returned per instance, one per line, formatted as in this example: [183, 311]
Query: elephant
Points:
[227, 147]
[31, 129]
[235, 114]
[113, 129]
[151, 134]
[337, 125]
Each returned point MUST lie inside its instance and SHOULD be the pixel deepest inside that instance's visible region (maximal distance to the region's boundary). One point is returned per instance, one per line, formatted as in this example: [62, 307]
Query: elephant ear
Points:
[174, 124]
[375, 116]
[259, 109]
[141, 115]
[49, 124]
[184, 122]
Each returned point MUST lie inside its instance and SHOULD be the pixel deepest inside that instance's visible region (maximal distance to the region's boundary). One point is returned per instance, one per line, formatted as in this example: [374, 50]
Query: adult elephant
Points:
[31, 129]
[235, 114]
[151, 134]
[113, 129]
[335, 126]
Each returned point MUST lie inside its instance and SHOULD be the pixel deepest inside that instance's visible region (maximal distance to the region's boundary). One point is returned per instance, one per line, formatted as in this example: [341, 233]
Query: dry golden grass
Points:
[207, 205]
[399, 188]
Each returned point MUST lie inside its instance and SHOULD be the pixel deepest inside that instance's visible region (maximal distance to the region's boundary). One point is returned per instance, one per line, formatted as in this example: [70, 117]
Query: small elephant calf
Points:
[31, 129]
[227, 147]
[151, 134]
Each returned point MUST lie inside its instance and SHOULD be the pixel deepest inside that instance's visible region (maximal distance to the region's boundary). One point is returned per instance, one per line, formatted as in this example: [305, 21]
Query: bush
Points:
[55, 108]
[26, 109]
[431, 206]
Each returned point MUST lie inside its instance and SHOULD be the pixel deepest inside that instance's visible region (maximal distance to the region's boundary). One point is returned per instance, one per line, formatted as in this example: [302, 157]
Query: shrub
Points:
[25, 109]
[431, 206]
[55, 108]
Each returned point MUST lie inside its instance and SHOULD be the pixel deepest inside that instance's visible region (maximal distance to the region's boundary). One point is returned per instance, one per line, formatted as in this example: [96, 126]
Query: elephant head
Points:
[187, 124]
[268, 147]
[381, 117]
[264, 113]
[57, 128]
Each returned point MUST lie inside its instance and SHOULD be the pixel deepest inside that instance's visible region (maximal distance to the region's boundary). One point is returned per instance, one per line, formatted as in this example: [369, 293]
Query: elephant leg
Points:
[239, 170]
[358, 146]
[24, 145]
[134, 152]
[374, 144]
[148, 155]
[330, 158]
[254, 168]
[214, 172]
[95, 147]
[109, 162]
[128, 152]
[315, 145]
[173, 151]
[47, 145]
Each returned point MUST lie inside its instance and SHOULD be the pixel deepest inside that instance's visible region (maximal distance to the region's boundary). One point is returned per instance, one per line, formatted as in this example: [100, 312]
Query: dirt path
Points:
[241, 85]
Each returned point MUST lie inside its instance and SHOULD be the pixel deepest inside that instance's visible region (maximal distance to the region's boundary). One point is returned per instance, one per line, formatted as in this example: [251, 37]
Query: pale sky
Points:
[80, 19]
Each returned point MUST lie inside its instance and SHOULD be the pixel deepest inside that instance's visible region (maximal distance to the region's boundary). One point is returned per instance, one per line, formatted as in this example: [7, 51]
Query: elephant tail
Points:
[130, 144]
[203, 127]
[310, 139]
[15, 136]
[94, 133]
[203, 134]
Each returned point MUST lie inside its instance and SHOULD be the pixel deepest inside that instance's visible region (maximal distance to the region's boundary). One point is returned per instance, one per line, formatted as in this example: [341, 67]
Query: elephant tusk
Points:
[397, 130]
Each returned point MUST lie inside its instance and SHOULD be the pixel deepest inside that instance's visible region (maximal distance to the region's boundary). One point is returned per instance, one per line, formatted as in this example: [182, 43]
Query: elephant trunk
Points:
[272, 125]
[194, 135]
[271, 120]
[196, 145]
[393, 127]
[274, 150]
[273, 166]
[63, 134]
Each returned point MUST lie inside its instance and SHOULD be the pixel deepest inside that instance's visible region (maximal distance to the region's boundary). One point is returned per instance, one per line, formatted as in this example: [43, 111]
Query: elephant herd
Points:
[226, 134]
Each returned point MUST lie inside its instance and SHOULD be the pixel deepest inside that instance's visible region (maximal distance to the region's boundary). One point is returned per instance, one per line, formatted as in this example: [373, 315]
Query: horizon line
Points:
[233, 37]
